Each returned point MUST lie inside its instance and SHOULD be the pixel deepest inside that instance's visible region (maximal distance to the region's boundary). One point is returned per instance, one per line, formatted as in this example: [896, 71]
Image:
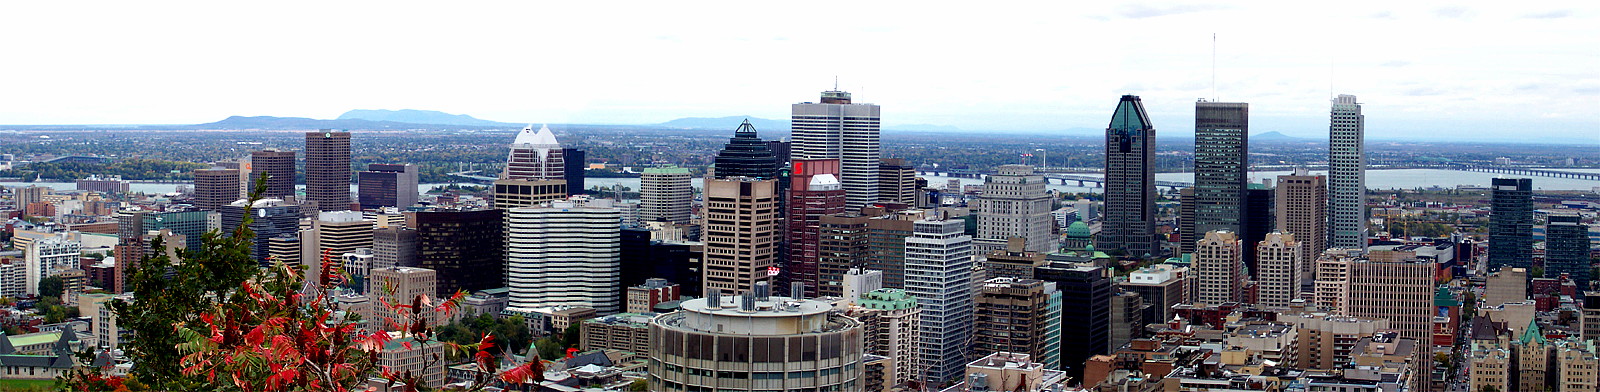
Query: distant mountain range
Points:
[1275, 136]
[410, 116]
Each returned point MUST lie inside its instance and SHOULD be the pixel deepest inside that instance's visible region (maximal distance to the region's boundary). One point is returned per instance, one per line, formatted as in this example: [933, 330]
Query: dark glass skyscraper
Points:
[573, 161]
[328, 170]
[1130, 193]
[746, 155]
[1221, 165]
[1566, 248]
[1511, 223]
[1085, 312]
[464, 247]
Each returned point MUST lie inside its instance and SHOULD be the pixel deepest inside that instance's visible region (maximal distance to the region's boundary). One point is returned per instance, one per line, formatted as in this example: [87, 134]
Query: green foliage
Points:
[52, 287]
[221, 266]
[638, 385]
[510, 333]
[550, 349]
[131, 169]
[571, 337]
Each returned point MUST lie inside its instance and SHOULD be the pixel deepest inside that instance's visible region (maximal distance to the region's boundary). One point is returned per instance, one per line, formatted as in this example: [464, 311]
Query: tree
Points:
[52, 286]
[638, 385]
[549, 349]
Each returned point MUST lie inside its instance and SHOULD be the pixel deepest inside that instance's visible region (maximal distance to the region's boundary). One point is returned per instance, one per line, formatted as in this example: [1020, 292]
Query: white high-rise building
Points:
[1219, 268]
[838, 129]
[564, 254]
[48, 257]
[1015, 204]
[1282, 265]
[1347, 178]
[664, 195]
[939, 274]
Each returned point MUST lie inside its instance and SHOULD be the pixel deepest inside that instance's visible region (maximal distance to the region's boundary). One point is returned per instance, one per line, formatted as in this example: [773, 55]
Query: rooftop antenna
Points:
[1213, 67]
[835, 82]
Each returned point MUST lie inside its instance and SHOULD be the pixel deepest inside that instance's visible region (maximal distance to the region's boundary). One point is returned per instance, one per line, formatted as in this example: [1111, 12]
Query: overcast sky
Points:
[1507, 69]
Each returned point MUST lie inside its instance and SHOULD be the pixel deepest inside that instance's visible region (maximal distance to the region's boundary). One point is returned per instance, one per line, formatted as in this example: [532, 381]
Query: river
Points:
[1376, 179]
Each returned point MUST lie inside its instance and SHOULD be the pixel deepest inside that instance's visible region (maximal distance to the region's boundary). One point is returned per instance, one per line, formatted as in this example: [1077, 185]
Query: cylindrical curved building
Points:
[755, 344]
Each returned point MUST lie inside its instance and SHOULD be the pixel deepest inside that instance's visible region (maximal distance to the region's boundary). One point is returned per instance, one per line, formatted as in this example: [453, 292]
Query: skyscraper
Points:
[1130, 192]
[1187, 236]
[665, 194]
[573, 160]
[1085, 307]
[328, 170]
[465, 248]
[535, 156]
[1019, 316]
[1347, 178]
[1399, 289]
[1566, 248]
[838, 129]
[535, 171]
[1014, 203]
[1302, 210]
[1219, 268]
[278, 166]
[1221, 165]
[216, 187]
[841, 245]
[1257, 223]
[407, 283]
[394, 247]
[745, 155]
[742, 232]
[814, 192]
[939, 273]
[273, 218]
[387, 185]
[897, 182]
[1281, 269]
[1511, 223]
[564, 254]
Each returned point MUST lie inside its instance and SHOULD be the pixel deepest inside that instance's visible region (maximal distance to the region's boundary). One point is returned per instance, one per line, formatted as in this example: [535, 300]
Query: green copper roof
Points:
[1078, 230]
[1130, 115]
[1443, 297]
[887, 299]
[1532, 333]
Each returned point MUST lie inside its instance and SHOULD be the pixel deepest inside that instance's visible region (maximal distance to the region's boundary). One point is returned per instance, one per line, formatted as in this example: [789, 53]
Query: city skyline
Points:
[1425, 68]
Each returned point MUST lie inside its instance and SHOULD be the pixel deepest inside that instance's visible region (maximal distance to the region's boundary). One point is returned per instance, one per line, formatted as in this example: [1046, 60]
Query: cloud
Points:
[1556, 14]
[1140, 11]
[1530, 87]
[1452, 12]
[1383, 15]
[1422, 91]
[1395, 63]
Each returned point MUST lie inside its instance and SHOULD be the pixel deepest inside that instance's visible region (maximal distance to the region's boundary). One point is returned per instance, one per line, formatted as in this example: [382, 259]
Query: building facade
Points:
[387, 185]
[1302, 210]
[566, 254]
[465, 248]
[1511, 223]
[897, 182]
[1347, 178]
[1566, 248]
[216, 187]
[755, 344]
[836, 128]
[1014, 203]
[278, 167]
[741, 233]
[938, 273]
[1221, 165]
[1130, 188]
[665, 195]
[1019, 316]
[328, 170]
[1280, 279]
[814, 192]
[1219, 268]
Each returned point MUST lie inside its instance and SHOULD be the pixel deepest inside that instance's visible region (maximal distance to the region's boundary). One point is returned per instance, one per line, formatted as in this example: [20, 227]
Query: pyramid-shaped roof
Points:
[1130, 115]
[541, 138]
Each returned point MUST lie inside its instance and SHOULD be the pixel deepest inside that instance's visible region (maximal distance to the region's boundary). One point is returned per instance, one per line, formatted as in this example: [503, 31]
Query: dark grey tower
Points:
[1221, 165]
[1566, 248]
[1130, 205]
[1511, 223]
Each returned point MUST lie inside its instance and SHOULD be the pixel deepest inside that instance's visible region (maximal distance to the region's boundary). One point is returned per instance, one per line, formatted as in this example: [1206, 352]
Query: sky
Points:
[1464, 70]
